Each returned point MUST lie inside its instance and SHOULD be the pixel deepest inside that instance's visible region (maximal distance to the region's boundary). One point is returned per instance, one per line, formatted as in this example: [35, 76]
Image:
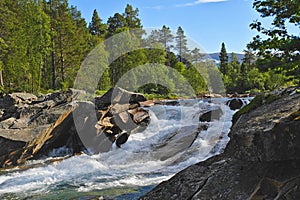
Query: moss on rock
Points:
[259, 100]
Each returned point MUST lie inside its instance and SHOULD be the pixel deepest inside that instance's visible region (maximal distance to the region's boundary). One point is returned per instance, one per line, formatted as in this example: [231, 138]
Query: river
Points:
[130, 171]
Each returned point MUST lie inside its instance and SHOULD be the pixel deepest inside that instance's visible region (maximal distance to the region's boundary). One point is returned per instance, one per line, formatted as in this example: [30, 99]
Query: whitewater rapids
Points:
[128, 168]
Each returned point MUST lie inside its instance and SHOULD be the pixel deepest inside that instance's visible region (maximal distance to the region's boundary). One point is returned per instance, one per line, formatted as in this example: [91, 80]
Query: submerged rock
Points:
[214, 114]
[235, 104]
[261, 160]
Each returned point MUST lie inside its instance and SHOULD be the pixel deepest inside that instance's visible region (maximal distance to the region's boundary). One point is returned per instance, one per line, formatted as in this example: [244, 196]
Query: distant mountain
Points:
[215, 56]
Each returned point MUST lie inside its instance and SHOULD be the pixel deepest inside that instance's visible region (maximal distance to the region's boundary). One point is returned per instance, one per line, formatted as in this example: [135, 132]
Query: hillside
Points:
[215, 56]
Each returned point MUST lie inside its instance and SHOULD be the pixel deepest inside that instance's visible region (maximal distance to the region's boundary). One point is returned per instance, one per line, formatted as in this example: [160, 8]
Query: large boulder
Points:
[61, 134]
[268, 133]
[120, 96]
[24, 115]
[261, 160]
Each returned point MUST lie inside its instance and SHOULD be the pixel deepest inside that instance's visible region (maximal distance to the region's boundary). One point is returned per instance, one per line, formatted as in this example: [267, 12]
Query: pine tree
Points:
[3, 51]
[116, 24]
[166, 37]
[196, 55]
[69, 42]
[96, 27]
[28, 41]
[223, 60]
[235, 64]
[131, 17]
[153, 38]
[181, 44]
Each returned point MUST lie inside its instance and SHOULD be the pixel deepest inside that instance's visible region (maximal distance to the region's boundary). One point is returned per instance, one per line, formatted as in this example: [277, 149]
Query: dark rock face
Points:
[268, 133]
[7, 145]
[211, 115]
[261, 161]
[61, 134]
[235, 104]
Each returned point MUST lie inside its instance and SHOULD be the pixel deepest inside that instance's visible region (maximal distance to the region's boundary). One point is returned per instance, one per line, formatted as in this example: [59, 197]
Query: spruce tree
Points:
[223, 60]
[96, 27]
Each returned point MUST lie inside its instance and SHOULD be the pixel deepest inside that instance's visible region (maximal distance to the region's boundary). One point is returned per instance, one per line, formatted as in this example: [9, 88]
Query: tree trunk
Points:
[1, 79]
[53, 70]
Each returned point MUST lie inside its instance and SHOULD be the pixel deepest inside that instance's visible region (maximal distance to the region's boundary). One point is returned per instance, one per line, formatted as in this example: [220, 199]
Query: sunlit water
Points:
[127, 172]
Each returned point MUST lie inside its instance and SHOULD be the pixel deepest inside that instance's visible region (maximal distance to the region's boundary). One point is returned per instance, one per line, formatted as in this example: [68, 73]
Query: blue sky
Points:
[207, 22]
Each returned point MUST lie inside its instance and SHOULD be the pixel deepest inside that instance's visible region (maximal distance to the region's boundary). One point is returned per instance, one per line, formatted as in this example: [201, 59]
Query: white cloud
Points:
[199, 2]
[155, 7]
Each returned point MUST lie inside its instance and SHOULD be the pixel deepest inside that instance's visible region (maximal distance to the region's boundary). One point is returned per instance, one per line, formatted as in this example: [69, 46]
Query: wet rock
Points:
[261, 160]
[211, 115]
[57, 98]
[25, 116]
[235, 104]
[148, 103]
[122, 139]
[139, 115]
[176, 143]
[172, 103]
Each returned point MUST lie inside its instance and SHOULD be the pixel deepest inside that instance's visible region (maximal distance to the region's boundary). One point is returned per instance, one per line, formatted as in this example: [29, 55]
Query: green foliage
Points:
[152, 88]
[278, 49]
[195, 79]
[47, 45]
[179, 66]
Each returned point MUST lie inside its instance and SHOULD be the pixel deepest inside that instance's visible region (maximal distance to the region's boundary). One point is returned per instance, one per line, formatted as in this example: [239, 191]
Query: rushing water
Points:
[127, 172]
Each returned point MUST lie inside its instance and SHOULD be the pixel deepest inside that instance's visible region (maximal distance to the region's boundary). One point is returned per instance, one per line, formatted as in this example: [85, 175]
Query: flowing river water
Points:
[130, 171]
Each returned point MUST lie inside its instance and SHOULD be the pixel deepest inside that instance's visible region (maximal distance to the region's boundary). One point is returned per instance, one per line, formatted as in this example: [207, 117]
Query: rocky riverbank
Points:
[32, 127]
[261, 161]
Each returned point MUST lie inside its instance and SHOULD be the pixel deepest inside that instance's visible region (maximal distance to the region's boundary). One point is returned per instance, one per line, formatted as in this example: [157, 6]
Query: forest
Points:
[44, 43]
